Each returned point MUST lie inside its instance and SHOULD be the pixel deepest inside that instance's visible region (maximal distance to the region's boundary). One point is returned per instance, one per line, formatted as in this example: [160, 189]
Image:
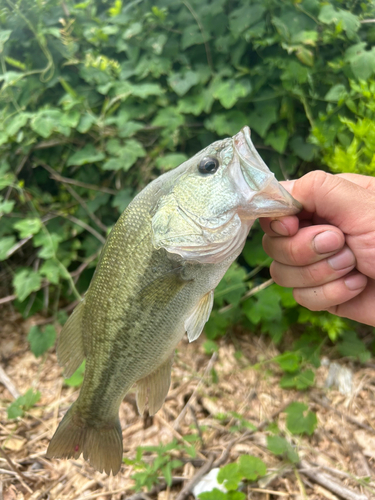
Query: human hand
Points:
[327, 252]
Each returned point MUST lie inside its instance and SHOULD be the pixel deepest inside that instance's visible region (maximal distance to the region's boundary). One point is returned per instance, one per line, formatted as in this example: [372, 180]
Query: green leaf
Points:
[41, 341]
[280, 446]
[183, 82]
[303, 149]
[244, 17]
[226, 123]
[262, 118]
[23, 403]
[228, 92]
[49, 243]
[6, 206]
[232, 286]
[25, 282]
[215, 494]
[230, 475]
[122, 199]
[16, 122]
[28, 227]
[299, 420]
[251, 467]
[336, 93]
[288, 361]
[144, 90]
[4, 37]
[350, 345]
[48, 121]
[88, 154]
[170, 160]
[265, 306]
[128, 155]
[51, 270]
[278, 139]
[299, 380]
[77, 378]
[210, 346]
[6, 243]
[86, 121]
[349, 22]
[362, 62]
[169, 118]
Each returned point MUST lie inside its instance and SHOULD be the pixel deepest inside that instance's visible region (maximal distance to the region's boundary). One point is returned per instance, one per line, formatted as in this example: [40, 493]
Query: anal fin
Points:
[70, 353]
[153, 389]
[194, 324]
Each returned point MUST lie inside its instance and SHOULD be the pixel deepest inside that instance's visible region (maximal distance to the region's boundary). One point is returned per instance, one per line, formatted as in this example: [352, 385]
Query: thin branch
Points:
[250, 293]
[350, 419]
[6, 381]
[206, 46]
[186, 490]
[66, 180]
[85, 226]
[75, 195]
[9, 298]
[328, 482]
[209, 366]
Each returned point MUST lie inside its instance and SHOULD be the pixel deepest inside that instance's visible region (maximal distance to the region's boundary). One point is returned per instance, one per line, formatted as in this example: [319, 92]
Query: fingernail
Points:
[355, 281]
[279, 228]
[326, 242]
[342, 260]
[288, 185]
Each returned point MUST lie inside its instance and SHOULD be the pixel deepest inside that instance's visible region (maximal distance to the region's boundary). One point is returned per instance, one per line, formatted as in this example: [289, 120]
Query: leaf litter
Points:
[225, 405]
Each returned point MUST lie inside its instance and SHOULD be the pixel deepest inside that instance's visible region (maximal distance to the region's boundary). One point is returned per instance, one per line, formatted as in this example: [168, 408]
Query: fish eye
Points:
[208, 165]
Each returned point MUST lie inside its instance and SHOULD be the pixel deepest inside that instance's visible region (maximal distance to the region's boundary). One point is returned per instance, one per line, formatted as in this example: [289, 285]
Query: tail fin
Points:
[100, 445]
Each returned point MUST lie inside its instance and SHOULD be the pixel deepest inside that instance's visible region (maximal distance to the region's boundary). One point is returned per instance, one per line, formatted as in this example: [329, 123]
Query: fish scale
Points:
[154, 282]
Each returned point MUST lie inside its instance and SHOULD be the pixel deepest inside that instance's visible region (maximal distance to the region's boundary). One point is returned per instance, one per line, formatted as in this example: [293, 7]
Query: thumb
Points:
[342, 203]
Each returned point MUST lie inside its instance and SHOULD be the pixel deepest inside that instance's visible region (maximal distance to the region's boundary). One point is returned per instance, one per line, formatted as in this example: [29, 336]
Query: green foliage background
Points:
[99, 97]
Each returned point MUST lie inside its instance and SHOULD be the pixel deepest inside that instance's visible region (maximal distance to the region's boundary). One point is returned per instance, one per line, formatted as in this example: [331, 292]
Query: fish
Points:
[154, 282]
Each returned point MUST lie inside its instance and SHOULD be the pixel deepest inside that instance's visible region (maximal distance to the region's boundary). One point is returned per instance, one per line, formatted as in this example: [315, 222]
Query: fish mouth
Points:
[265, 195]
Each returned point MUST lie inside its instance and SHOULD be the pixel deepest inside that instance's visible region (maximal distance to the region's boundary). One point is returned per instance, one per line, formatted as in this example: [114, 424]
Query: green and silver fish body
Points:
[154, 282]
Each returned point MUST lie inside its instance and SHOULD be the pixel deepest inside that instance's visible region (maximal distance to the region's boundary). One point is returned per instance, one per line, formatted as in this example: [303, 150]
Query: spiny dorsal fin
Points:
[154, 388]
[194, 324]
[70, 352]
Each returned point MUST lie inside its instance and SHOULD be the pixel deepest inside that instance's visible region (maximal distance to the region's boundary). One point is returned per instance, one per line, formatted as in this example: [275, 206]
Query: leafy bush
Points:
[99, 97]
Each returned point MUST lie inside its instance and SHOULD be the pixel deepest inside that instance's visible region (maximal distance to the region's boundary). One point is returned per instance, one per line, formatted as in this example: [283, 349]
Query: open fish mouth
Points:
[266, 195]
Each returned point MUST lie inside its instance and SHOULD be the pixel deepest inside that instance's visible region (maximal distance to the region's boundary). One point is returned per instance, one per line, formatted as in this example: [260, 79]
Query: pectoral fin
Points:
[194, 324]
[153, 389]
[70, 353]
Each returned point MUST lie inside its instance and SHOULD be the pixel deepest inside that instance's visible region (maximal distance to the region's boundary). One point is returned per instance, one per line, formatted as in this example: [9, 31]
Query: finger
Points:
[281, 226]
[365, 181]
[315, 274]
[337, 292]
[337, 200]
[311, 244]
[360, 308]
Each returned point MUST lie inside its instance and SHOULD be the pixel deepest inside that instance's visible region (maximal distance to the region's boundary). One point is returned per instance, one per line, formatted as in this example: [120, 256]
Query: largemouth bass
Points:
[155, 280]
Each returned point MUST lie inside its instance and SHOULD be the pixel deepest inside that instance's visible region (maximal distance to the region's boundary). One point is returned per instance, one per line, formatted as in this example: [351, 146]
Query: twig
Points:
[250, 293]
[183, 411]
[85, 226]
[247, 434]
[341, 414]
[328, 482]
[9, 298]
[6, 381]
[21, 477]
[50, 487]
[206, 46]
[154, 491]
[186, 490]
[66, 180]
[75, 195]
